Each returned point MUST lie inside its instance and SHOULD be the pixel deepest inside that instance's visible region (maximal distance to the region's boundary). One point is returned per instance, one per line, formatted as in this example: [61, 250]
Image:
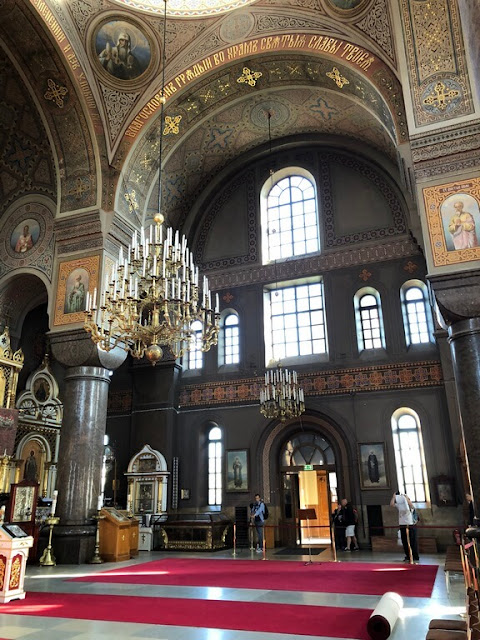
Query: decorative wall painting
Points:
[122, 49]
[453, 218]
[75, 279]
[25, 236]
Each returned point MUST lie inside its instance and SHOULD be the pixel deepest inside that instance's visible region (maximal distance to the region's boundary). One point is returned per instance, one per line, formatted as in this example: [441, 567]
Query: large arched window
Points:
[229, 340]
[215, 452]
[417, 318]
[289, 215]
[409, 457]
[368, 314]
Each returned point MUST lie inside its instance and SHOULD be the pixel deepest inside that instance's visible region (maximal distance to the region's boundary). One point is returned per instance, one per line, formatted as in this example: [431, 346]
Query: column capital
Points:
[457, 295]
[75, 348]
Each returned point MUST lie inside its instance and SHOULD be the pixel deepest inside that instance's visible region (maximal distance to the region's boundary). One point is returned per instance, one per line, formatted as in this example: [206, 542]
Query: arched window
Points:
[215, 466]
[409, 457]
[229, 340]
[194, 357]
[368, 313]
[307, 449]
[417, 318]
[289, 215]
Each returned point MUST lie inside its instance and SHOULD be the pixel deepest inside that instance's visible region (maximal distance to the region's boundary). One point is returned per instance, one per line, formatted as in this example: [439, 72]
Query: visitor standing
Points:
[408, 531]
[257, 519]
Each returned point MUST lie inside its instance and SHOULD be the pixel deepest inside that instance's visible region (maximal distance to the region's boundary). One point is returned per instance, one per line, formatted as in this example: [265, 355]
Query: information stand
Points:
[307, 514]
[14, 546]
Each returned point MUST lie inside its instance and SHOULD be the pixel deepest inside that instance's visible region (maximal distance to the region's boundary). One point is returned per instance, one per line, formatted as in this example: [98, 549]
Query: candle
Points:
[54, 502]
[100, 502]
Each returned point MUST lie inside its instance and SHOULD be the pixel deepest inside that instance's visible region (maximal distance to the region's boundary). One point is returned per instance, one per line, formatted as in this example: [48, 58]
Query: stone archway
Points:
[278, 432]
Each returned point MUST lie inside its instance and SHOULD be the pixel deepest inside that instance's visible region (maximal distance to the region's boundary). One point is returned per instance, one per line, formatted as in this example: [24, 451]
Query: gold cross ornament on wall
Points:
[249, 77]
[441, 96]
[56, 93]
[171, 125]
[337, 77]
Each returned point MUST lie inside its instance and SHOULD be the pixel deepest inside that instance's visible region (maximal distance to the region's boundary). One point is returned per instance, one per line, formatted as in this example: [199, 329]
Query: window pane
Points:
[293, 327]
[408, 455]
[215, 466]
[291, 204]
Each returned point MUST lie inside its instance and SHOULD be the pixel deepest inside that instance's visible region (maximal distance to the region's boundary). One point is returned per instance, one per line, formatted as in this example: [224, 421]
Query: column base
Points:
[71, 544]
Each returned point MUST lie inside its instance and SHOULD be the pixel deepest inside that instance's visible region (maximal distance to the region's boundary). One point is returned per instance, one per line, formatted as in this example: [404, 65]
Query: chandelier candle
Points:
[153, 298]
[281, 396]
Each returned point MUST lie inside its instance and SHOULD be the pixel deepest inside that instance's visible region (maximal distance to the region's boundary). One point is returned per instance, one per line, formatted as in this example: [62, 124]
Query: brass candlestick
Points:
[48, 559]
[96, 558]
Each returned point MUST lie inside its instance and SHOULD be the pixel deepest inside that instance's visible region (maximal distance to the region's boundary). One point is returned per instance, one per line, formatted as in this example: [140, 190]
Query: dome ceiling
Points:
[186, 8]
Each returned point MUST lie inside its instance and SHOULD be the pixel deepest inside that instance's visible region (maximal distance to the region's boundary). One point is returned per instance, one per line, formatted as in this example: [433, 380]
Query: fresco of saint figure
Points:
[122, 49]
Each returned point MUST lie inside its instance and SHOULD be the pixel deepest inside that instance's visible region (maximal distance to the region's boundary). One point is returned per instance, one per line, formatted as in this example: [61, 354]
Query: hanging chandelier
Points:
[281, 396]
[154, 294]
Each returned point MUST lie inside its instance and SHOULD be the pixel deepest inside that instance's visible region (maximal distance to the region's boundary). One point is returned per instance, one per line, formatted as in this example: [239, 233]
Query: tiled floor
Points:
[412, 624]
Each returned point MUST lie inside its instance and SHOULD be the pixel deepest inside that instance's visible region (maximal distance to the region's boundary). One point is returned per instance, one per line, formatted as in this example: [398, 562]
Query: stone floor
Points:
[412, 624]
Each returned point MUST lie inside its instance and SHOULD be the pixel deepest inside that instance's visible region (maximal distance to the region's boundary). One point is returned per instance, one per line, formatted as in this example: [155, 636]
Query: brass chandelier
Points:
[154, 295]
[281, 396]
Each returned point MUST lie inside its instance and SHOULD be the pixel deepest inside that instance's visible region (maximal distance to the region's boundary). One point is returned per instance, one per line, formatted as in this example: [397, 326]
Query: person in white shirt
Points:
[408, 531]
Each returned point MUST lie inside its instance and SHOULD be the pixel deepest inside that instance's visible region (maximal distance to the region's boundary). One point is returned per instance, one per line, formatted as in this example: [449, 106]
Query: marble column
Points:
[458, 304]
[85, 399]
[465, 344]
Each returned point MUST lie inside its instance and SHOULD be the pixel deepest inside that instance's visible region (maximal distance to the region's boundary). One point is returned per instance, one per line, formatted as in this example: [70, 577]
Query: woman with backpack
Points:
[257, 518]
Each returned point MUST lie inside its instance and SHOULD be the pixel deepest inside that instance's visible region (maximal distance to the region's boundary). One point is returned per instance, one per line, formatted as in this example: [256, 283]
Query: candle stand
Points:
[48, 559]
[96, 558]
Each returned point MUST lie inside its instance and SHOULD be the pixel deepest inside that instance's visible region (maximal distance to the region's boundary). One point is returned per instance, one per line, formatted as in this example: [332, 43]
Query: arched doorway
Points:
[308, 481]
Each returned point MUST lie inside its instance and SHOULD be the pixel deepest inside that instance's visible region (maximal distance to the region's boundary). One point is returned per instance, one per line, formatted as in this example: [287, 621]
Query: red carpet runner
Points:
[414, 581]
[299, 619]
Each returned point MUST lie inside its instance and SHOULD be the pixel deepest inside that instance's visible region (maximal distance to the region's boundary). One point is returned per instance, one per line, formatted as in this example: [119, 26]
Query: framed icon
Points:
[237, 470]
[373, 466]
[22, 505]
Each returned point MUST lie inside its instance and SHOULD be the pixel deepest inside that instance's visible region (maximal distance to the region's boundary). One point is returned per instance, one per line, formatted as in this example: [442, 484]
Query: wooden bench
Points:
[442, 629]
[453, 563]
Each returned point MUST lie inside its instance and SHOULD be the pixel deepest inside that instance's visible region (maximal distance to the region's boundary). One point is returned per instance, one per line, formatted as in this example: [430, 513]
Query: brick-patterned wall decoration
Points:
[340, 381]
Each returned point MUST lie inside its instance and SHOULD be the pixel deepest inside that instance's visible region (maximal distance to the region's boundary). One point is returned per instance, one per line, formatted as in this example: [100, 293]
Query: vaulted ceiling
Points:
[232, 69]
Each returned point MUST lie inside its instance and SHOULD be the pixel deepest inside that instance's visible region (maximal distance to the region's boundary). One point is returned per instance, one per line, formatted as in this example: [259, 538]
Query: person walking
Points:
[408, 531]
[257, 519]
[350, 518]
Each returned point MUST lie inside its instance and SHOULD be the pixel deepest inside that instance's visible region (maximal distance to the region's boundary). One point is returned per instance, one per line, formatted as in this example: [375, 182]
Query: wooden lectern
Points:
[307, 514]
[115, 535]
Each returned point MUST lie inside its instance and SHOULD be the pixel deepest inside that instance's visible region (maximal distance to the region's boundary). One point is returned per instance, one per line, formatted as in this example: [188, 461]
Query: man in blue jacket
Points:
[257, 518]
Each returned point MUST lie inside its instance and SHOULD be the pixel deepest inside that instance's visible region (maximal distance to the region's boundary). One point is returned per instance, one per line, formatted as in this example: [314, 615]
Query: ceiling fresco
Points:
[223, 119]
[94, 68]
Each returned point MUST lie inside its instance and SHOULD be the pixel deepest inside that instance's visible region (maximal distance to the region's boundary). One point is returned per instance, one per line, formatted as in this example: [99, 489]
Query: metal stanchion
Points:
[264, 548]
[48, 559]
[332, 542]
[234, 539]
[97, 559]
[252, 548]
[410, 556]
